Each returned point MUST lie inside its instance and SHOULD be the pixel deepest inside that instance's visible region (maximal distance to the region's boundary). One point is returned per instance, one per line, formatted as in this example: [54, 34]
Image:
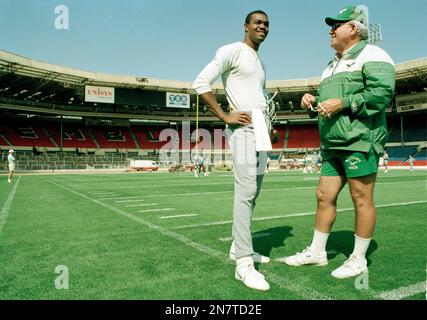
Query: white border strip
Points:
[403, 292]
[6, 207]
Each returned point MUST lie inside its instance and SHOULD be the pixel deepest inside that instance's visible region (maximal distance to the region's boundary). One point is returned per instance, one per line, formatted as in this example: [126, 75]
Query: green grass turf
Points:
[113, 251]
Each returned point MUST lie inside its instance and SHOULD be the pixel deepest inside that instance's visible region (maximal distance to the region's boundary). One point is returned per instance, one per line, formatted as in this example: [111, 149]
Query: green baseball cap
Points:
[348, 13]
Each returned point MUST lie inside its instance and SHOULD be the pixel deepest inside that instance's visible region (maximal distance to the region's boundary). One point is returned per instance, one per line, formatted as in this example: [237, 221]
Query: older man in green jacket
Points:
[355, 89]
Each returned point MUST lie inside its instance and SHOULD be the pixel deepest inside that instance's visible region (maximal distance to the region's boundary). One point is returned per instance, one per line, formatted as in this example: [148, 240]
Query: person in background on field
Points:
[385, 161]
[11, 159]
[411, 160]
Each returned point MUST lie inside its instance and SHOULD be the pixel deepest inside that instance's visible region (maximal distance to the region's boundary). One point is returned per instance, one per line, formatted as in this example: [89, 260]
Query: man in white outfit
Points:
[243, 77]
[11, 162]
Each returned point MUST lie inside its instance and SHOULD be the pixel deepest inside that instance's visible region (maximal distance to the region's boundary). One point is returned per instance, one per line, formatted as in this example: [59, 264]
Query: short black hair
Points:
[248, 17]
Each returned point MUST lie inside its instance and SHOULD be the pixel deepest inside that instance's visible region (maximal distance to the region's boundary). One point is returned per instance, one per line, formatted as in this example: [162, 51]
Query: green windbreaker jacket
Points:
[364, 78]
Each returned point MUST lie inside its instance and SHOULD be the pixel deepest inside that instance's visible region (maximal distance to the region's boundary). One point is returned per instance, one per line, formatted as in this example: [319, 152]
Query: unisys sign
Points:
[99, 94]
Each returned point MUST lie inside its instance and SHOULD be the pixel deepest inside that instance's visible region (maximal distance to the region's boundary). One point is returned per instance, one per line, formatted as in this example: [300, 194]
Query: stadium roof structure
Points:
[40, 87]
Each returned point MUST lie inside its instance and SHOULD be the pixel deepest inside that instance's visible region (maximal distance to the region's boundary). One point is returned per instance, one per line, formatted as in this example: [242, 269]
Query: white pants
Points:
[249, 167]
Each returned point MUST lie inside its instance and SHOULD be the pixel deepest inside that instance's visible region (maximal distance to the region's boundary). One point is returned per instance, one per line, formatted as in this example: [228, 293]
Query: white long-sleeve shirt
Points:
[243, 76]
[11, 158]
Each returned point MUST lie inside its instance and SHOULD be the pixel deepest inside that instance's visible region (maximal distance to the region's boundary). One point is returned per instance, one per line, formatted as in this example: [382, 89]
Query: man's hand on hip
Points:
[240, 118]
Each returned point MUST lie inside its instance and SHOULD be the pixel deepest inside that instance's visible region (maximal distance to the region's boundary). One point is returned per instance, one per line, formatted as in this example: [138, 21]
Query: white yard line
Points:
[156, 210]
[179, 216]
[262, 190]
[4, 213]
[403, 292]
[141, 205]
[130, 200]
[118, 197]
[310, 213]
[280, 280]
[102, 193]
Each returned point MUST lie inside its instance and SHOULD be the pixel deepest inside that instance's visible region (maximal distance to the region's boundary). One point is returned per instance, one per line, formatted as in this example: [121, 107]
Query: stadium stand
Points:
[38, 101]
[400, 153]
[113, 137]
[73, 137]
[26, 134]
[303, 136]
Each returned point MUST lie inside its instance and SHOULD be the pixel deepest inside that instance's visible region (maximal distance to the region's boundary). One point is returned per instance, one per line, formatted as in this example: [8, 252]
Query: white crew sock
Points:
[318, 244]
[360, 246]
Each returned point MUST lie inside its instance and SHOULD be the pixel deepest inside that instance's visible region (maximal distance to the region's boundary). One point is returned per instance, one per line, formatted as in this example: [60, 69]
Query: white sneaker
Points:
[246, 272]
[10, 181]
[352, 267]
[258, 258]
[307, 256]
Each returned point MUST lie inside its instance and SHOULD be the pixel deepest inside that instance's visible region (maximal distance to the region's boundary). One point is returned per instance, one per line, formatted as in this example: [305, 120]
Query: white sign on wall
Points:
[177, 100]
[99, 94]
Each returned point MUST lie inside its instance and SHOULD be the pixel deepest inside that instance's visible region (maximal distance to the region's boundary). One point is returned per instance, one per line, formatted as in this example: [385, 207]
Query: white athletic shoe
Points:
[352, 267]
[8, 180]
[258, 258]
[246, 272]
[307, 256]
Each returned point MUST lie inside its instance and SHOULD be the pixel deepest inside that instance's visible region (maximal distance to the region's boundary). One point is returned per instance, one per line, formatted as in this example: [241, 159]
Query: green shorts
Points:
[349, 164]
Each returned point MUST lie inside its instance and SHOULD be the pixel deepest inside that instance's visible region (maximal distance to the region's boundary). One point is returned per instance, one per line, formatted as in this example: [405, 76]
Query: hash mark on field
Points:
[179, 216]
[260, 235]
[6, 207]
[141, 204]
[101, 193]
[129, 200]
[153, 210]
[118, 198]
[403, 292]
[282, 281]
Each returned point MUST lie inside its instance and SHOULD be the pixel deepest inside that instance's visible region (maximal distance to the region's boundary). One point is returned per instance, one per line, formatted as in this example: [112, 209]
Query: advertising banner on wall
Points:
[99, 94]
[177, 100]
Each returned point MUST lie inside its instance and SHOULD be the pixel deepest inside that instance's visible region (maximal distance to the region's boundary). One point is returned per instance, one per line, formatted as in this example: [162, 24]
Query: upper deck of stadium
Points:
[31, 85]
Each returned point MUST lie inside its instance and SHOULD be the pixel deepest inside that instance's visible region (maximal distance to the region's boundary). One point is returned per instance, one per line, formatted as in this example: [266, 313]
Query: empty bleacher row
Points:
[80, 143]
[76, 136]
[399, 155]
[408, 128]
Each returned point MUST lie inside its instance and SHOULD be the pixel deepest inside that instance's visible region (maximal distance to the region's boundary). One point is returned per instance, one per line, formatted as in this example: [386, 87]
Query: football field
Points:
[167, 235]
